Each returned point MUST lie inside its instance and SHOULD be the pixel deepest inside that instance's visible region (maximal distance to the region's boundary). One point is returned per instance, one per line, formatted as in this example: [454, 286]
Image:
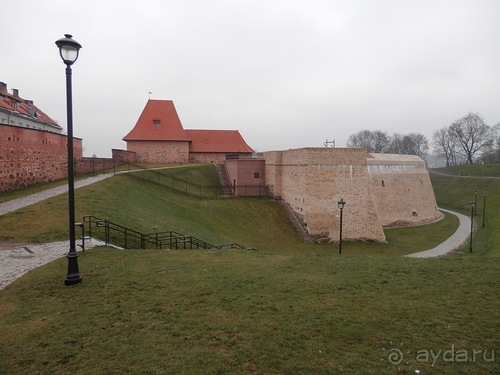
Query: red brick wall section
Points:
[248, 175]
[30, 156]
[123, 156]
[207, 157]
[214, 157]
[160, 151]
[89, 165]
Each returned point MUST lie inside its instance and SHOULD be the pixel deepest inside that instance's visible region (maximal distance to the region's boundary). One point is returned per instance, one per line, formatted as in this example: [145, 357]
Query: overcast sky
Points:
[285, 73]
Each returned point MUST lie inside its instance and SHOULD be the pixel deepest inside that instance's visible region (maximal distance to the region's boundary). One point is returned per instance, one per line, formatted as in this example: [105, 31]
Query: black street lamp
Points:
[69, 49]
[341, 204]
[484, 208]
[475, 200]
[472, 205]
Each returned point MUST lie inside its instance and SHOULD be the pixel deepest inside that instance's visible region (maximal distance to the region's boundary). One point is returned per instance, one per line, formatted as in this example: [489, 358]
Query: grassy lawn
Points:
[289, 308]
[218, 312]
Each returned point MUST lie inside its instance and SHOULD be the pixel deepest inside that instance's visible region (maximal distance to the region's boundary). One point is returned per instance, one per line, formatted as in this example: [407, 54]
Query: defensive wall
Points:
[32, 157]
[380, 190]
[160, 151]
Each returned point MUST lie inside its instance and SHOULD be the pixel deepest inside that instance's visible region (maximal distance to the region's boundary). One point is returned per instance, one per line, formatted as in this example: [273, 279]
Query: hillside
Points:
[289, 308]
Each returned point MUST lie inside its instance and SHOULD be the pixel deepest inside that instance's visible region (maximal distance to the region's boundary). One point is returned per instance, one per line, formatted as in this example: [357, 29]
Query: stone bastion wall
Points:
[380, 190]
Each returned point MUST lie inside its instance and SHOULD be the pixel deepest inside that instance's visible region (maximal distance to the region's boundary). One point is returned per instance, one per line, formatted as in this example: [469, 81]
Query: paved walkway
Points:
[455, 241]
[17, 259]
[17, 204]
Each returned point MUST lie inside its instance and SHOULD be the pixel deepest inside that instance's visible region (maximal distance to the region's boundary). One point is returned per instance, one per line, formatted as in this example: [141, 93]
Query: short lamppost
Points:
[341, 204]
[472, 205]
[484, 208]
[475, 200]
[69, 49]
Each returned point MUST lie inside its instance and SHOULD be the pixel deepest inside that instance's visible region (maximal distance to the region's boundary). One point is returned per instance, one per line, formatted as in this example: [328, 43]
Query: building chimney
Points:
[3, 87]
[15, 92]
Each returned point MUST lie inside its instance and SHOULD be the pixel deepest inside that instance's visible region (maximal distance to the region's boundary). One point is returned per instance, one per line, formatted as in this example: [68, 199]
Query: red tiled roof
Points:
[26, 108]
[217, 141]
[158, 122]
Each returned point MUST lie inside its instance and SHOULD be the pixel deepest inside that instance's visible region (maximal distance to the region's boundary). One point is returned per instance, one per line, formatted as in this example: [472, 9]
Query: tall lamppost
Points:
[341, 204]
[472, 204]
[69, 49]
[484, 207]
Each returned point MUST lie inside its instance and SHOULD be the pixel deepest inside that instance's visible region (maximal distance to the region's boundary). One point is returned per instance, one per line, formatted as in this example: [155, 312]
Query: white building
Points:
[16, 111]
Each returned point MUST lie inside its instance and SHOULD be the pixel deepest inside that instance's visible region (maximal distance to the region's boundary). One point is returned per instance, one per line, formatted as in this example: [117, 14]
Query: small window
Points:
[156, 122]
[256, 174]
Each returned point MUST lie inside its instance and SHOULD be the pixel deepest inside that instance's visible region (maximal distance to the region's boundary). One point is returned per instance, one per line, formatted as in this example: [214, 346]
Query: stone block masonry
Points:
[381, 190]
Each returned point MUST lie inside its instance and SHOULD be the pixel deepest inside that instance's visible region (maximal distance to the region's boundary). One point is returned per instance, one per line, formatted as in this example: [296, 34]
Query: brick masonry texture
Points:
[380, 190]
[160, 151]
[247, 175]
[30, 156]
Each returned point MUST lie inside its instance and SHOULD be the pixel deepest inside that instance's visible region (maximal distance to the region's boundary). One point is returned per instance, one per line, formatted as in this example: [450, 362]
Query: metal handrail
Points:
[158, 240]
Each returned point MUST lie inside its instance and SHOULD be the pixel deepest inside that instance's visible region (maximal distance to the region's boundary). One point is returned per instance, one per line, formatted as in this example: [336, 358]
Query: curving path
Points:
[18, 259]
[455, 241]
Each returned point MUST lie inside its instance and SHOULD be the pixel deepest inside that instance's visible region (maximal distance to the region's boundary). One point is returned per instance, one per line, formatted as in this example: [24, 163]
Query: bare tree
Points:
[472, 135]
[409, 144]
[445, 145]
[419, 144]
[491, 153]
[375, 141]
[380, 141]
[396, 145]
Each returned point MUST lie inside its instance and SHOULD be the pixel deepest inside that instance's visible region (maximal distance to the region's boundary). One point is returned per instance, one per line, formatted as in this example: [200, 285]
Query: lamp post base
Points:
[72, 280]
[73, 277]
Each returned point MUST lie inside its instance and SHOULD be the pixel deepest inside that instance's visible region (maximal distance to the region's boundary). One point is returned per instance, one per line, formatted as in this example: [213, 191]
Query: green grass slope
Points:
[289, 308]
[455, 188]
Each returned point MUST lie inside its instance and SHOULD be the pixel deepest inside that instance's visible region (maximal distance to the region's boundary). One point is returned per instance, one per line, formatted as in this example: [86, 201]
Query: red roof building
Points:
[159, 137]
[16, 111]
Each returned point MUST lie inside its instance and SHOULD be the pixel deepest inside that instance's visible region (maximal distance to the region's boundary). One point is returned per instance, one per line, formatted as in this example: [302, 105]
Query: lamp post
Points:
[69, 49]
[484, 207]
[341, 204]
[472, 205]
[475, 200]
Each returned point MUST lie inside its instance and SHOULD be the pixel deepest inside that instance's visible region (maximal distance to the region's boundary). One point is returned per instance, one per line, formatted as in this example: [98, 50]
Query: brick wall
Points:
[123, 156]
[215, 157]
[311, 181]
[247, 175]
[160, 151]
[30, 156]
[90, 165]
[402, 190]
[207, 157]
